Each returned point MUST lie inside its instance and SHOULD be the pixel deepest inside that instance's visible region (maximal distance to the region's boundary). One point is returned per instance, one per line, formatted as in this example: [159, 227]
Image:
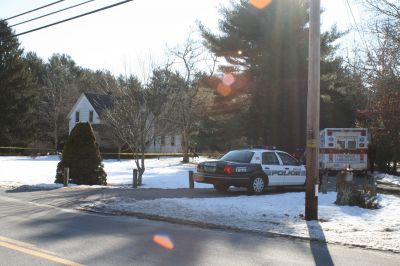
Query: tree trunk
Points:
[141, 169]
[55, 135]
[185, 148]
[140, 179]
[344, 189]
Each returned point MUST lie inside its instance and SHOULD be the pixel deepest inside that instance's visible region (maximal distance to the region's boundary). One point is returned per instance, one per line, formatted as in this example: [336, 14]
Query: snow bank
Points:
[281, 214]
[390, 179]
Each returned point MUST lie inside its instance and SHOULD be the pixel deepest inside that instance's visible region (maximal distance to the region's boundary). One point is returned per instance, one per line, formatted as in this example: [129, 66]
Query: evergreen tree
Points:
[37, 69]
[270, 46]
[17, 98]
[343, 93]
[81, 154]
[221, 123]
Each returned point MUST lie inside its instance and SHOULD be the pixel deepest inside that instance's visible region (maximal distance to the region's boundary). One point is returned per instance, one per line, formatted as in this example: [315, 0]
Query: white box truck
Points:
[342, 148]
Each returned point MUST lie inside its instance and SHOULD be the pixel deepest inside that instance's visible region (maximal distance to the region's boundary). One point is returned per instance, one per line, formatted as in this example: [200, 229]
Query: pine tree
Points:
[270, 47]
[17, 97]
[81, 154]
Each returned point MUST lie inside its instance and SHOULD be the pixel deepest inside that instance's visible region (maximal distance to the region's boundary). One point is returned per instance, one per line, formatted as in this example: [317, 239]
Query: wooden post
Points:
[66, 176]
[312, 141]
[324, 179]
[372, 184]
[135, 178]
[191, 181]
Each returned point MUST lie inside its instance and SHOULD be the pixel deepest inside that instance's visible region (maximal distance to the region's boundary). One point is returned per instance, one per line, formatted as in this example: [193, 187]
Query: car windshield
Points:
[238, 156]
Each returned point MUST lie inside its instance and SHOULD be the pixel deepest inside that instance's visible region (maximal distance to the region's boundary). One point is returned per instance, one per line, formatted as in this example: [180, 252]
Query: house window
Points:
[90, 116]
[162, 141]
[77, 117]
[172, 140]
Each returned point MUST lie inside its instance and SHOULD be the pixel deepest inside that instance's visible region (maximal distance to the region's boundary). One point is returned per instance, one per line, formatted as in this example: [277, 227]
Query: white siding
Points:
[83, 107]
[155, 146]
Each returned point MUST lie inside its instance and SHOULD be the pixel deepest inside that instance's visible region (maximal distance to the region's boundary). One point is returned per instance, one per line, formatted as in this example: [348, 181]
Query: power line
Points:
[30, 11]
[72, 18]
[360, 33]
[55, 12]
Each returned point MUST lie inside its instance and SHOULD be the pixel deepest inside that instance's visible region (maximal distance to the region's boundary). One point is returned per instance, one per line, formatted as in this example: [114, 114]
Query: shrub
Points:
[81, 154]
[365, 198]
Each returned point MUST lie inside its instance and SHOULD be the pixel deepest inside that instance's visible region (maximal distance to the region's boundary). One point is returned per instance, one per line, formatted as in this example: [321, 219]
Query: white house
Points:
[89, 108]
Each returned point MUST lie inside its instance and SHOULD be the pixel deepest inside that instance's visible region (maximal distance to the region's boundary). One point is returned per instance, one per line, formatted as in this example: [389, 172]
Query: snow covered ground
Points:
[388, 179]
[168, 172]
[280, 214]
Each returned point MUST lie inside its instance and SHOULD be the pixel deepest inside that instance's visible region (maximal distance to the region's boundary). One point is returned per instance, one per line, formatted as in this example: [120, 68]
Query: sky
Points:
[120, 39]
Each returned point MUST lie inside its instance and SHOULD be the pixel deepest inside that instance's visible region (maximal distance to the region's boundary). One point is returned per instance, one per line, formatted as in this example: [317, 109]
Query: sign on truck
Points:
[342, 148]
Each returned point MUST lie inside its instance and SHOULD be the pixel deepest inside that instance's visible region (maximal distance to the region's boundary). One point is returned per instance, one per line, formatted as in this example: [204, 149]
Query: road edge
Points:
[206, 225]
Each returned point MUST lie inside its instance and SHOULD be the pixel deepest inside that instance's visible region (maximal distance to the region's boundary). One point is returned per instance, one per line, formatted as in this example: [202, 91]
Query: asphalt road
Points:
[42, 228]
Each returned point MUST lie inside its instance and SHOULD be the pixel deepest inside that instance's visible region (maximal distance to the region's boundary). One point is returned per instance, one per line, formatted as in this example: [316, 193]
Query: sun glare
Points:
[163, 241]
[260, 3]
[223, 89]
[228, 79]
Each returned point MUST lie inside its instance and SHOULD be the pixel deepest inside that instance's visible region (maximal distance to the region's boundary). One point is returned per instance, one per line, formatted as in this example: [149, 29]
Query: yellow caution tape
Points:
[20, 148]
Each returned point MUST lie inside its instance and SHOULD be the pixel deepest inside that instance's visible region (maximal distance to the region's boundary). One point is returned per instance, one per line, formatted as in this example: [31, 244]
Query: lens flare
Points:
[223, 89]
[164, 241]
[260, 3]
[228, 79]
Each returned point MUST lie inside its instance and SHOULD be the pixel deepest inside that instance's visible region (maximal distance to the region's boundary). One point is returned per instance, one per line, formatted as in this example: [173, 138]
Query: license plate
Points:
[210, 167]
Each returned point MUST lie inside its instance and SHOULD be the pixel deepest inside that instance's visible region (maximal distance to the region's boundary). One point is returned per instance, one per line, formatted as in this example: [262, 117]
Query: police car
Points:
[252, 168]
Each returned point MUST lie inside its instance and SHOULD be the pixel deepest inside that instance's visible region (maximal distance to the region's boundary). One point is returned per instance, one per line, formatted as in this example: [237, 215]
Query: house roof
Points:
[100, 102]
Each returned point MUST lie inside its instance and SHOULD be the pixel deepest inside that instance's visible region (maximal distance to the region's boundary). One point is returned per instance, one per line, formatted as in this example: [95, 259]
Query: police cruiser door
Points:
[273, 169]
[294, 172]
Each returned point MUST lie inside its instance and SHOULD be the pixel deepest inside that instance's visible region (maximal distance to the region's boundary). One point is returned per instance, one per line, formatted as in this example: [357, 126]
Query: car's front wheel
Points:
[257, 184]
[221, 187]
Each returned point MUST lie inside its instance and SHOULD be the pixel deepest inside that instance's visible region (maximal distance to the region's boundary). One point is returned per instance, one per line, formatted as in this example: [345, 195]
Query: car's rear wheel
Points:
[221, 187]
[257, 184]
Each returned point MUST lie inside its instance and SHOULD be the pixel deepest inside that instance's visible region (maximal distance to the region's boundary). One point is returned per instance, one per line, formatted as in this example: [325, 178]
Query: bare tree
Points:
[189, 59]
[130, 119]
[134, 117]
[381, 71]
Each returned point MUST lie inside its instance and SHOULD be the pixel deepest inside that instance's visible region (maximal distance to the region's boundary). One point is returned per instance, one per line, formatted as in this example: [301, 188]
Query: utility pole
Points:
[312, 149]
